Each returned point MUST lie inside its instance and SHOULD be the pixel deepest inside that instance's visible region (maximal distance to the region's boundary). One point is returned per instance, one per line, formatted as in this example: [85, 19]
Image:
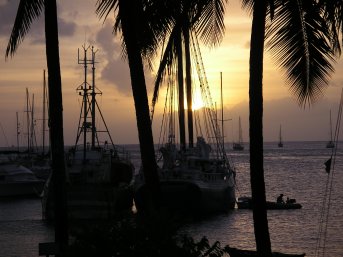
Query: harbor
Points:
[292, 231]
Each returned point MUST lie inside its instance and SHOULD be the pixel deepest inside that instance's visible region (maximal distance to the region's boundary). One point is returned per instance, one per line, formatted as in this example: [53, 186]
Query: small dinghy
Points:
[245, 203]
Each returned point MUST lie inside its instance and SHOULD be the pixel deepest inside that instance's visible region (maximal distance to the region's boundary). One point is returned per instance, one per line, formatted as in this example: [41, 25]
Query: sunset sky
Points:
[78, 25]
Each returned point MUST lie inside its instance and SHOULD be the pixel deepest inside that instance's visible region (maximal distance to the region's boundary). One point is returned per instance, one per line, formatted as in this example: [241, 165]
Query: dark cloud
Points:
[66, 28]
[116, 70]
[7, 17]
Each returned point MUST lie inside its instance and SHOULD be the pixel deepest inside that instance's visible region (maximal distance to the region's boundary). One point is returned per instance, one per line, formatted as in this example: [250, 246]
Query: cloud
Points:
[7, 15]
[116, 71]
[8, 12]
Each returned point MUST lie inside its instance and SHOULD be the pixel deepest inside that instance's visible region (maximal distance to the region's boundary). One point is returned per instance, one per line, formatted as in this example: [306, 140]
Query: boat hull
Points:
[17, 180]
[238, 147]
[31, 188]
[98, 189]
[193, 197]
[93, 202]
[245, 203]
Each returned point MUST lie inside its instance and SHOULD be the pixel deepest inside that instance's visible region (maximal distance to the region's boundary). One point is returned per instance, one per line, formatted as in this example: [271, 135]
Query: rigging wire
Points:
[4, 134]
[326, 203]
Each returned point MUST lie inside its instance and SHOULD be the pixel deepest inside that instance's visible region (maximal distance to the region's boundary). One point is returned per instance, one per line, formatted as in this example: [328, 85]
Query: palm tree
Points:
[203, 17]
[139, 38]
[333, 15]
[27, 12]
[299, 42]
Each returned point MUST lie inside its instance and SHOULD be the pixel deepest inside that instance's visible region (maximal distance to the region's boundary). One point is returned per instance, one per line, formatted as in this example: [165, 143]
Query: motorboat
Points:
[245, 203]
[17, 180]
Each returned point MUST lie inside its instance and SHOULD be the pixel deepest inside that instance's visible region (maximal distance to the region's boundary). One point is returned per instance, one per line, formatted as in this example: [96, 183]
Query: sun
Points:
[197, 103]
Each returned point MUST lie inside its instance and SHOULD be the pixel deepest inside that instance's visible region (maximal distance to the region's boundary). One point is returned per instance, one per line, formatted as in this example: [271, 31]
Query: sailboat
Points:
[32, 158]
[99, 175]
[39, 161]
[239, 145]
[194, 178]
[280, 144]
[330, 144]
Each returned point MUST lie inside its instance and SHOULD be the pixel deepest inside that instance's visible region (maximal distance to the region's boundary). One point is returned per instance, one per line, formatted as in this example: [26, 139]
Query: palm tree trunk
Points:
[263, 244]
[181, 91]
[56, 125]
[129, 13]
[188, 86]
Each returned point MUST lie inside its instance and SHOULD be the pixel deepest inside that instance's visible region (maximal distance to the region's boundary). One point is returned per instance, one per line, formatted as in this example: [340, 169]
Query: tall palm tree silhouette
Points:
[298, 40]
[140, 38]
[29, 10]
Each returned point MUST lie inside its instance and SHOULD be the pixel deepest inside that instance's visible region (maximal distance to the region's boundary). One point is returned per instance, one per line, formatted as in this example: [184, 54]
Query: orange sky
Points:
[78, 25]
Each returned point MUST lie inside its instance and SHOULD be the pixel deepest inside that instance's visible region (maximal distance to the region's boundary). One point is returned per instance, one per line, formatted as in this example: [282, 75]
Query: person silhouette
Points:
[279, 199]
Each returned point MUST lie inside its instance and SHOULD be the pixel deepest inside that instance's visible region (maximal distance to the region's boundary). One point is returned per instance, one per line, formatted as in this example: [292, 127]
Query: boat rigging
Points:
[327, 194]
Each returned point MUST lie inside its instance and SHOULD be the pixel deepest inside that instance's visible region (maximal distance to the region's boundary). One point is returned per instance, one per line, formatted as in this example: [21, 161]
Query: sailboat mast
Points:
[240, 130]
[181, 96]
[43, 125]
[93, 97]
[222, 107]
[330, 128]
[27, 120]
[17, 132]
[44, 112]
[32, 134]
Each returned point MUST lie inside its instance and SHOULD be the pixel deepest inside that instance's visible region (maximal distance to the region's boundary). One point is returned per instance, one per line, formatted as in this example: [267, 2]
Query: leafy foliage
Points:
[201, 17]
[28, 10]
[133, 236]
[299, 41]
[152, 23]
[333, 15]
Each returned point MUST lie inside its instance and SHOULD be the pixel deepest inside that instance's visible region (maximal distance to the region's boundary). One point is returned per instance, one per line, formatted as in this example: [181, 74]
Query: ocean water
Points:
[297, 170]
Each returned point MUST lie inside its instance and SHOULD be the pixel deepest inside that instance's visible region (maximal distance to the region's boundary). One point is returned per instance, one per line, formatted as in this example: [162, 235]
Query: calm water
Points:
[296, 170]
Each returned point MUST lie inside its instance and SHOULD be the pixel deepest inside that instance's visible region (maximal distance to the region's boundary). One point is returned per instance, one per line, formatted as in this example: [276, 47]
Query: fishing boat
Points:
[280, 144]
[17, 180]
[99, 174]
[330, 143]
[245, 203]
[195, 178]
[239, 145]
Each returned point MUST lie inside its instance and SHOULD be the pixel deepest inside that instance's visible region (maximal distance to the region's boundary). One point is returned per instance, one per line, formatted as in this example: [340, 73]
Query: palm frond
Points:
[299, 42]
[333, 15]
[209, 21]
[156, 25]
[248, 5]
[167, 61]
[150, 20]
[105, 7]
[28, 10]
